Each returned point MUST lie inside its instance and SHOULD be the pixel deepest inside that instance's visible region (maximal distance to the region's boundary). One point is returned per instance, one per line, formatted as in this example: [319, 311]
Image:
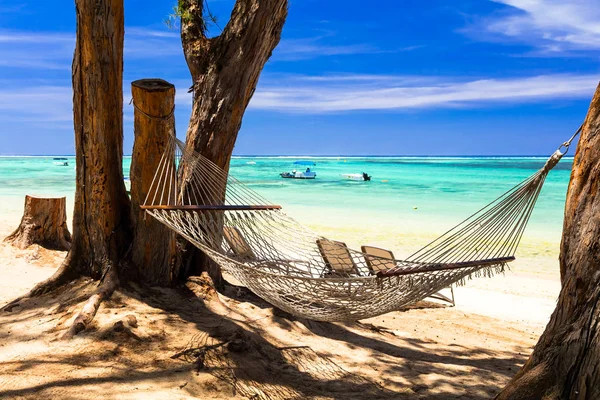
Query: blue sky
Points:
[409, 77]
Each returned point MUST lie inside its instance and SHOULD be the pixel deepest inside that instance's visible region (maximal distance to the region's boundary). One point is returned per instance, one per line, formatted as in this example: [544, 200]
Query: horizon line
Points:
[326, 155]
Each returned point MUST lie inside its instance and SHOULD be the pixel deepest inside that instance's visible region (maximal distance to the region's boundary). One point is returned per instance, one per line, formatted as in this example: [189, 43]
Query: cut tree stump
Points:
[44, 222]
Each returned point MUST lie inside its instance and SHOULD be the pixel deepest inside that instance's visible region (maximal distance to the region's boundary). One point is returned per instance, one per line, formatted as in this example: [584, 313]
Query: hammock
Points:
[310, 276]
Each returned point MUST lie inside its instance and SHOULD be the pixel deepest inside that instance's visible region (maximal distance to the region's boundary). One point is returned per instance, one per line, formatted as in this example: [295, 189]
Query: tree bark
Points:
[108, 230]
[101, 225]
[44, 222]
[565, 363]
[101, 219]
[225, 71]
[154, 249]
[88, 312]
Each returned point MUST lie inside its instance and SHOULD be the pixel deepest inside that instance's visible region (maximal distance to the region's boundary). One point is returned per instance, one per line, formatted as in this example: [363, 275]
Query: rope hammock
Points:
[313, 277]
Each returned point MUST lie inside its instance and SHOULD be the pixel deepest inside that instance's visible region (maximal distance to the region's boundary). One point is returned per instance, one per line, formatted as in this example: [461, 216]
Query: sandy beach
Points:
[428, 351]
[289, 200]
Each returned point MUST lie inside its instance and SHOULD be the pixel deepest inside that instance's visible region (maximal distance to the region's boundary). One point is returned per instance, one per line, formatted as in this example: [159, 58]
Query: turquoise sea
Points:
[408, 201]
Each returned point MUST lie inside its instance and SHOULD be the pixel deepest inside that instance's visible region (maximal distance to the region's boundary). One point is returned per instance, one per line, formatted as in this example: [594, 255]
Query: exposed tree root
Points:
[124, 327]
[87, 314]
[203, 287]
[63, 275]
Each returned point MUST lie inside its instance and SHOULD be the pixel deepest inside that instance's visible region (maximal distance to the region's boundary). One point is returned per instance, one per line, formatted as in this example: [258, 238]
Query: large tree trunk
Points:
[154, 249]
[565, 363]
[44, 222]
[101, 225]
[101, 218]
[108, 231]
[225, 70]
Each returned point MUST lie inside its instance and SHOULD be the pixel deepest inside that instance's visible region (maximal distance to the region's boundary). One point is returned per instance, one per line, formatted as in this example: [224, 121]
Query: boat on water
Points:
[358, 177]
[63, 162]
[302, 174]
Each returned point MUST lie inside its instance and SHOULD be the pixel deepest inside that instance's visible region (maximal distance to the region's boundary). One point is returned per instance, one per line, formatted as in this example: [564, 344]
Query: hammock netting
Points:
[313, 277]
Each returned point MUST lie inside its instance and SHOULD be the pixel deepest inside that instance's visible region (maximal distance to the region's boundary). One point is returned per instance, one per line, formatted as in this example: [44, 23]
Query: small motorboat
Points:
[127, 182]
[63, 162]
[358, 177]
[295, 174]
[299, 175]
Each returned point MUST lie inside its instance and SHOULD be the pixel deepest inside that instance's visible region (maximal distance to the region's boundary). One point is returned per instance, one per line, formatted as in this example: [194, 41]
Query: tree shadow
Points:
[248, 361]
[417, 360]
[261, 370]
[462, 357]
[493, 367]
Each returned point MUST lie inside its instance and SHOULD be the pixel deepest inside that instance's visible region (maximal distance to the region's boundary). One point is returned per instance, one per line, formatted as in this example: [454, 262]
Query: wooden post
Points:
[44, 222]
[154, 248]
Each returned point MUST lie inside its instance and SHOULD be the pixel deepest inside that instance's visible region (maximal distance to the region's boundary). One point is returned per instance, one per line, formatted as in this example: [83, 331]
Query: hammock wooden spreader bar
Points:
[443, 267]
[313, 277]
[213, 208]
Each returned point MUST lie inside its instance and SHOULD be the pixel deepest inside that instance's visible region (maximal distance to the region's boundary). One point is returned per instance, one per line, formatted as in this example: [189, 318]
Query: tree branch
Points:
[193, 32]
[252, 22]
[87, 314]
[253, 30]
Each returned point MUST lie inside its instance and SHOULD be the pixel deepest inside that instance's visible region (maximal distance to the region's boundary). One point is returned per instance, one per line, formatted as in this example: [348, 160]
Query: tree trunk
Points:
[101, 226]
[44, 222]
[105, 235]
[565, 363]
[101, 218]
[225, 70]
[154, 249]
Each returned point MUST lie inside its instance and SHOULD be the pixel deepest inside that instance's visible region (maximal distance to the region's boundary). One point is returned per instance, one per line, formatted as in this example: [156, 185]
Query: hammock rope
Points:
[313, 277]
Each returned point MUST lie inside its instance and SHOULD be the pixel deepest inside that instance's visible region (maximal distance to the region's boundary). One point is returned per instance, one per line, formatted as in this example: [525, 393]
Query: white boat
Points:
[357, 177]
[299, 175]
[295, 174]
[63, 162]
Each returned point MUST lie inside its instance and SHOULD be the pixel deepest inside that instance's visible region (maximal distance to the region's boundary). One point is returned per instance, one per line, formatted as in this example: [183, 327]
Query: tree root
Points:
[203, 287]
[87, 314]
[63, 275]
[124, 327]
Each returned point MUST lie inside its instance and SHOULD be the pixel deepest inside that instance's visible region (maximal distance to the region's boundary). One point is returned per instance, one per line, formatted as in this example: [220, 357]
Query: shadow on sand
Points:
[237, 353]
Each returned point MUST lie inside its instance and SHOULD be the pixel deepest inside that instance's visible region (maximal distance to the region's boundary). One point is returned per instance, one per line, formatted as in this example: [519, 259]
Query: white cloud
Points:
[37, 104]
[36, 37]
[325, 94]
[148, 32]
[144, 43]
[54, 50]
[36, 50]
[313, 47]
[550, 25]
[54, 103]
[307, 48]
[346, 93]
[13, 8]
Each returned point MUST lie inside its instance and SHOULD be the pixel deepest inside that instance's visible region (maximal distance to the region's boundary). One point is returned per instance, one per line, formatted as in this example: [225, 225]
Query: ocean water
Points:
[409, 201]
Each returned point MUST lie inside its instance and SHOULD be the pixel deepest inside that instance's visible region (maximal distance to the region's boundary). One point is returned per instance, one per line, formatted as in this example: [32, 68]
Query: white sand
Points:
[526, 293]
[468, 351]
